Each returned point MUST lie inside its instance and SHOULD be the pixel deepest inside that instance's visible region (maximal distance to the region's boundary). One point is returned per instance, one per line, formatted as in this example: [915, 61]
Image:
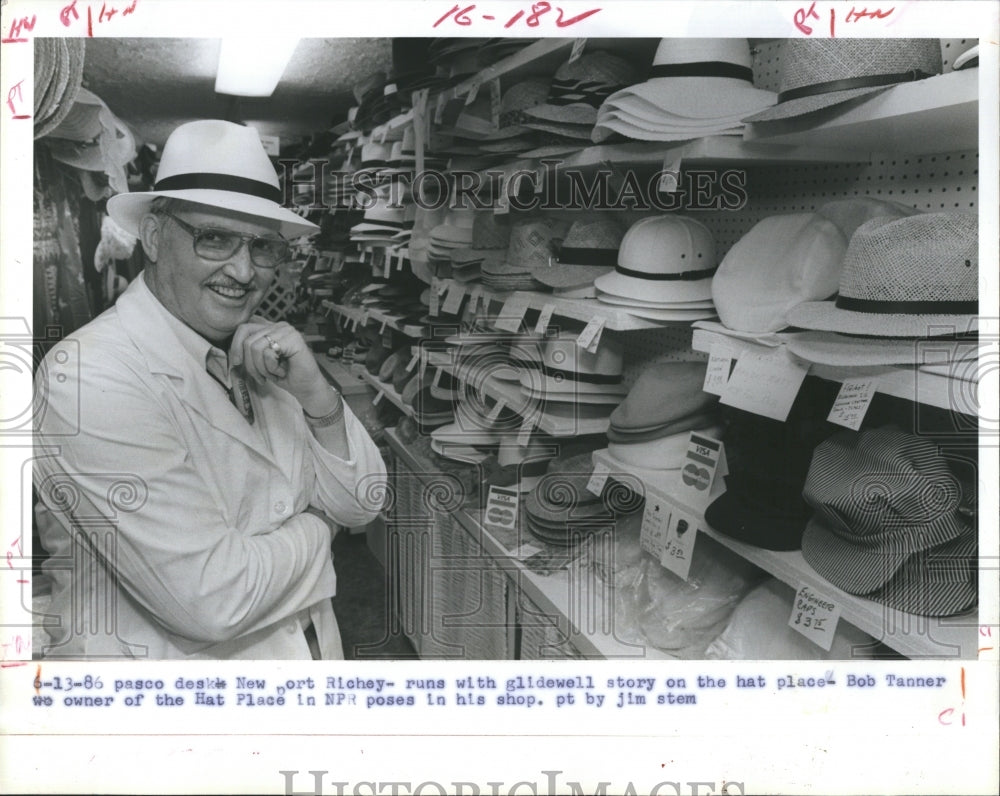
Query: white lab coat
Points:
[139, 452]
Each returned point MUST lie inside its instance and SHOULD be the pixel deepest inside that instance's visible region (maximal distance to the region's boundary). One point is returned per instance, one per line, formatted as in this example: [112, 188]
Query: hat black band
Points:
[909, 307]
[576, 256]
[589, 378]
[702, 69]
[846, 84]
[683, 276]
[219, 182]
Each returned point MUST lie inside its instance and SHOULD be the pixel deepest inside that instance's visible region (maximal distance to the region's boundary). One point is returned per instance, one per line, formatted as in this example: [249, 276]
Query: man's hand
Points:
[276, 352]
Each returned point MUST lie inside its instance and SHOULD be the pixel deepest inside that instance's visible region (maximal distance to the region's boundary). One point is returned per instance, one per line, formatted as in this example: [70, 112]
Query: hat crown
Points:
[686, 51]
[595, 232]
[562, 353]
[667, 244]
[489, 231]
[533, 241]
[212, 146]
[928, 257]
[808, 62]
[664, 392]
[600, 70]
[525, 94]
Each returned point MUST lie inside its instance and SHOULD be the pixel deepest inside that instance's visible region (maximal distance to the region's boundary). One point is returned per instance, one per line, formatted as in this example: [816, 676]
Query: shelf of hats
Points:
[673, 303]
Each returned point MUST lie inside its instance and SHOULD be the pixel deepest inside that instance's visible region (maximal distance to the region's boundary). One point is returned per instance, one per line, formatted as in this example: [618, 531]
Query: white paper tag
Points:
[386, 266]
[501, 507]
[670, 176]
[655, 519]
[387, 338]
[765, 384]
[378, 397]
[400, 259]
[699, 470]
[542, 325]
[496, 409]
[852, 402]
[815, 616]
[590, 337]
[495, 99]
[383, 132]
[524, 435]
[717, 374]
[381, 329]
[473, 93]
[598, 479]
[439, 108]
[678, 547]
[413, 362]
[474, 300]
[453, 301]
[512, 313]
[435, 297]
[577, 51]
[526, 550]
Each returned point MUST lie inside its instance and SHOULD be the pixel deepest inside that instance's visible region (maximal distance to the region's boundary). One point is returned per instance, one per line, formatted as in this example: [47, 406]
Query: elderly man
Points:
[190, 457]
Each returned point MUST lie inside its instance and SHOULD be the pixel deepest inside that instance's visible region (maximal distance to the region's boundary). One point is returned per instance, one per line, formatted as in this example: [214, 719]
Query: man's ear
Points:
[149, 234]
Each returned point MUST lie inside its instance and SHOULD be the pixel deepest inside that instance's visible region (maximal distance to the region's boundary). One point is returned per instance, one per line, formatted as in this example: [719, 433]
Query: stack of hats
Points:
[58, 75]
[534, 240]
[429, 411]
[695, 88]
[425, 220]
[454, 233]
[664, 271]
[393, 364]
[589, 250]
[823, 74]
[892, 522]
[573, 375]
[385, 219]
[905, 281]
[561, 510]
[577, 90]
[650, 428]
[490, 239]
[474, 434]
[521, 466]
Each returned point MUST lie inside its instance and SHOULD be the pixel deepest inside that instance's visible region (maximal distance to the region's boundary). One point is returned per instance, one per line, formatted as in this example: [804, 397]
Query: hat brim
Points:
[565, 276]
[828, 317]
[679, 425]
[577, 113]
[818, 102]
[662, 453]
[604, 128]
[830, 348]
[700, 98]
[650, 290]
[128, 209]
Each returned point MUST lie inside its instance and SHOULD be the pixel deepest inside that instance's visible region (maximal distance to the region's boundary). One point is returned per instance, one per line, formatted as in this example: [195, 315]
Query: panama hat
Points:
[566, 368]
[580, 86]
[663, 258]
[848, 350]
[879, 496]
[819, 73]
[214, 163]
[904, 278]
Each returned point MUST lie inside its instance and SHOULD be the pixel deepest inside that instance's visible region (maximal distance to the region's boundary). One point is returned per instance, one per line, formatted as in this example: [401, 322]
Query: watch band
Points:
[328, 419]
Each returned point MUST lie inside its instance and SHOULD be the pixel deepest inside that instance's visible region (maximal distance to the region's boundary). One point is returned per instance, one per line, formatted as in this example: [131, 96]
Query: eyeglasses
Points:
[221, 244]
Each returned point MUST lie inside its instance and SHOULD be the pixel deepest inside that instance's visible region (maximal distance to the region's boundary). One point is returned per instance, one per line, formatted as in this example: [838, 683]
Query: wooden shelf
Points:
[341, 376]
[362, 315]
[591, 626]
[939, 114]
[931, 388]
[391, 395]
[911, 635]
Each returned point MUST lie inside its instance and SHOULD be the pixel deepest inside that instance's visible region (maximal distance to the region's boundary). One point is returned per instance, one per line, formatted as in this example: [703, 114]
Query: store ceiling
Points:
[156, 84]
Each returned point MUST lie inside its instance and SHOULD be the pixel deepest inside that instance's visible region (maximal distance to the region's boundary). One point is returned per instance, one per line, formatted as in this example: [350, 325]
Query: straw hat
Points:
[663, 258]
[818, 73]
[214, 163]
[904, 278]
[589, 250]
[579, 87]
[570, 370]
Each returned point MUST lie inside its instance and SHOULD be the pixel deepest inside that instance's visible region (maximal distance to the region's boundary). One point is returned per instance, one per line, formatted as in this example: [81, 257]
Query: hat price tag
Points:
[400, 258]
[598, 479]
[413, 362]
[501, 508]
[815, 616]
[383, 133]
[852, 402]
[590, 337]
[474, 300]
[387, 338]
[453, 301]
[435, 297]
[655, 519]
[473, 93]
[524, 435]
[378, 397]
[544, 317]
[437, 377]
[720, 363]
[699, 474]
[669, 181]
[496, 409]
[495, 105]
[512, 313]
[439, 108]
[765, 384]
[578, 47]
[386, 265]
[678, 546]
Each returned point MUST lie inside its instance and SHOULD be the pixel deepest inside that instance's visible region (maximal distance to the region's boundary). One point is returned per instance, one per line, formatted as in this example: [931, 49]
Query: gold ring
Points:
[273, 345]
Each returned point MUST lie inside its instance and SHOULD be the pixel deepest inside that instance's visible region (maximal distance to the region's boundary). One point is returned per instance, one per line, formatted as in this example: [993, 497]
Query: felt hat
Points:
[581, 85]
[904, 277]
[819, 73]
[662, 453]
[879, 496]
[664, 258]
[664, 393]
[214, 163]
[589, 250]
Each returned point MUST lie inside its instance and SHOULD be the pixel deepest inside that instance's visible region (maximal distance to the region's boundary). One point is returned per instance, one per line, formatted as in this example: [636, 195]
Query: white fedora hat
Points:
[215, 163]
[664, 258]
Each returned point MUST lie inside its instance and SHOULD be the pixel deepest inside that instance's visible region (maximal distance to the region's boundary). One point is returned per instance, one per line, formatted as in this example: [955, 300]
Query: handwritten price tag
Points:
[852, 402]
[655, 519]
[496, 409]
[590, 337]
[699, 471]
[598, 479]
[544, 317]
[474, 300]
[815, 616]
[720, 362]
[453, 301]
[670, 176]
[512, 313]
[501, 508]
[413, 362]
[524, 435]
[678, 546]
[578, 47]
[765, 384]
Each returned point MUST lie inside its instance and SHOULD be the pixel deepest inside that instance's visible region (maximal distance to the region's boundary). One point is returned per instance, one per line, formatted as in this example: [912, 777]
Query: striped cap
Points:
[880, 497]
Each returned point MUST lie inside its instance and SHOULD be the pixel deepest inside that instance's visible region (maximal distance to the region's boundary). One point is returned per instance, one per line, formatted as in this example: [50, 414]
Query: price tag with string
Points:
[720, 362]
[590, 337]
[453, 301]
[765, 384]
[578, 47]
[512, 313]
[852, 402]
[544, 317]
[435, 298]
[474, 300]
[386, 266]
[670, 176]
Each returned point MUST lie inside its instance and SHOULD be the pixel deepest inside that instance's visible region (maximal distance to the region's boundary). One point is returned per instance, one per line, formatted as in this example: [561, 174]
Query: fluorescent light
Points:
[252, 67]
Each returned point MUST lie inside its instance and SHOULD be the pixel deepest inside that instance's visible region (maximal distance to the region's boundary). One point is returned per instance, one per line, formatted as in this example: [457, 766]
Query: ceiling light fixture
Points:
[252, 67]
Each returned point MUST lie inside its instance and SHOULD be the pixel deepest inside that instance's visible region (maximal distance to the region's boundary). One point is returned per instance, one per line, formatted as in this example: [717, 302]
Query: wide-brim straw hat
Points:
[907, 277]
[218, 164]
[819, 73]
[846, 350]
[580, 86]
[58, 74]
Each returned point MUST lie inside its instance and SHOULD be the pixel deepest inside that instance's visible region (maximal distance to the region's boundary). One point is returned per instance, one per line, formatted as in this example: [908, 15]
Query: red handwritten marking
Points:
[537, 9]
[878, 13]
[90, 23]
[832, 21]
[38, 679]
[461, 16]
[16, 26]
[800, 17]
[67, 10]
[985, 649]
[963, 682]
[986, 630]
[10, 558]
[12, 664]
[943, 713]
[514, 19]
[578, 18]
[20, 580]
[15, 92]
[485, 16]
